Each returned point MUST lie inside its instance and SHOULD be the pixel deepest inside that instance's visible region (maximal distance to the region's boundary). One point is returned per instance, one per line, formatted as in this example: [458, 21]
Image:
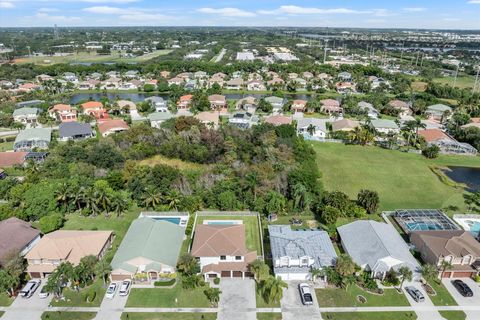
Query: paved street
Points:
[463, 301]
[292, 306]
[237, 300]
[31, 308]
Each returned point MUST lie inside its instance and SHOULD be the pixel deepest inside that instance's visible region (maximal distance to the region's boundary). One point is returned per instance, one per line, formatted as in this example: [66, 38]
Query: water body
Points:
[138, 97]
[466, 175]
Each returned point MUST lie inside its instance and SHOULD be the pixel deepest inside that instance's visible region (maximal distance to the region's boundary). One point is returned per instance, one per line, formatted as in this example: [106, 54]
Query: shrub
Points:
[189, 228]
[167, 283]
[431, 152]
[90, 295]
[391, 279]
[477, 278]
[51, 222]
[216, 281]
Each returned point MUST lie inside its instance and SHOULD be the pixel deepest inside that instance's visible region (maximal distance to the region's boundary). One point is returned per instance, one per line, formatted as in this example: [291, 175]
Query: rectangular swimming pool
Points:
[169, 219]
[222, 222]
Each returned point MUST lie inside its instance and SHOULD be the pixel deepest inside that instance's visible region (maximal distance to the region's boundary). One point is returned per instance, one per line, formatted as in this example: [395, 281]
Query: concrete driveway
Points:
[31, 308]
[292, 306]
[421, 315]
[464, 301]
[111, 309]
[237, 301]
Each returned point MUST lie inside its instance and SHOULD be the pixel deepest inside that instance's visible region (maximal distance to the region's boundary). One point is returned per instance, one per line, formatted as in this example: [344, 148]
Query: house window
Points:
[223, 258]
[304, 262]
[238, 257]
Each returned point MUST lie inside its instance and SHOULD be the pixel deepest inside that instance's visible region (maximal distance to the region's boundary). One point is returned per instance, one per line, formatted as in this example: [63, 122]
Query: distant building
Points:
[74, 131]
[35, 138]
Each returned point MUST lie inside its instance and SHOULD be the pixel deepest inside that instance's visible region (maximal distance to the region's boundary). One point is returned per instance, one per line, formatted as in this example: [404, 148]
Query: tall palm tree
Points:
[301, 197]
[62, 195]
[444, 266]
[429, 272]
[173, 199]
[119, 204]
[252, 182]
[259, 269]
[406, 274]
[151, 198]
[102, 198]
[316, 272]
[102, 269]
[311, 129]
[272, 289]
[213, 295]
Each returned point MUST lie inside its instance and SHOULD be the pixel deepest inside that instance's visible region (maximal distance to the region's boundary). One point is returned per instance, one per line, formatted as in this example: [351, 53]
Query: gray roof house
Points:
[74, 131]
[436, 112]
[296, 252]
[312, 128]
[385, 126]
[26, 115]
[371, 111]
[377, 247]
[29, 139]
[157, 118]
[276, 102]
[159, 103]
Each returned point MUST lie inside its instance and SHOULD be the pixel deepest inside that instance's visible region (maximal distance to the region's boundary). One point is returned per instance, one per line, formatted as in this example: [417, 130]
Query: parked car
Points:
[43, 293]
[29, 289]
[112, 288]
[415, 294]
[305, 294]
[463, 288]
[125, 287]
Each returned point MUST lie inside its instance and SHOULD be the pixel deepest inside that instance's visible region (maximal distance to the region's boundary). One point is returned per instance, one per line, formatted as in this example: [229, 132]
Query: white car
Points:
[43, 293]
[125, 287]
[112, 288]
[305, 294]
[29, 289]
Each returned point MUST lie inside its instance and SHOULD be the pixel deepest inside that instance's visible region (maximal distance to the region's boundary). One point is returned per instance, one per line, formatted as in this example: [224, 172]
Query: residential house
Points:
[157, 118]
[243, 120]
[111, 83]
[256, 85]
[158, 103]
[276, 102]
[446, 143]
[34, 138]
[185, 102]
[345, 125]
[278, 120]
[438, 112]
[209, 118]
[148, 251]
[345, 76]
[235, 84]
[131, 74]
[94, 109]
[28, 87]
[63, 113]
[66, 246]
[216, 79]
[44, 78]
[330, 106]
[345, 87]
[200, 75]
[70, 77]
[88, 85]
[10, 159]
[74, 131]
[299, 106]
[300, 84]
[176, 81]
[312, 128]
[248, 104]
[110, 126]
[372, 113]
[16, 237]
[402, 107]
[221, 251]
[276, 83]
[307, 75]
[292, 76]
[27, 116]
[295, 253]
[377, 248]
[385, 126]
[165, 74]
[217, 101]
[457, 247]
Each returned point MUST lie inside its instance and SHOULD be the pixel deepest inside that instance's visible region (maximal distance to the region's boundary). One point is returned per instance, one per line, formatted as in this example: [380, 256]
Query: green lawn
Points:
[261, 303]
[165, 298]
[443, 297]
[463, 81]
[369, 316]
[5, 300]
[77, 299]
[269, 316]
[252, 229]
[168, 316]
[348, 298]
[1, 313]
[403, 180]
[6, 146]
[453, 315]
[60, 315]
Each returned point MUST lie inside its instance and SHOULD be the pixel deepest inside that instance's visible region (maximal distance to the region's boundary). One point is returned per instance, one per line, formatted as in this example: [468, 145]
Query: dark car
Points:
[463, 288]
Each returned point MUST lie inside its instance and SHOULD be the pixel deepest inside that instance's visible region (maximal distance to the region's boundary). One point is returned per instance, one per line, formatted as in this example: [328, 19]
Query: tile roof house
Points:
[185, 102]
[108, 127]
[401, 106]
[458, 247]
[29, 139]
[330, 106]
[95, 109]
[221, 250]
[217, 101]
[312, 128]
[385, 126]
[278, 120]
[295, 253]
[235, 84]
[150, 247]
[157, 118]
[299, 105]
[10, 159]
[377, 247]
[63, 113]
[26, 115]
[436, 112]
[66, 245]
[345, 125]
[209, 118]
[159, 103]
[372, 113]
[74, 131]
[16, 237]
[446, 143]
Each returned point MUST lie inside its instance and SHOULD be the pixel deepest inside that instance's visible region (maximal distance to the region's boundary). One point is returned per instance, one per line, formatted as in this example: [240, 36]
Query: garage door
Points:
[248, 275]
[237, 274]
[119, 277]
[446, 274]
[465, 274]
[225, 274]
[35, 275]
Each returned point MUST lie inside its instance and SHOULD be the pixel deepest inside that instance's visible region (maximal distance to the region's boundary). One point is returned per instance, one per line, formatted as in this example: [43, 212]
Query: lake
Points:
[469, 176]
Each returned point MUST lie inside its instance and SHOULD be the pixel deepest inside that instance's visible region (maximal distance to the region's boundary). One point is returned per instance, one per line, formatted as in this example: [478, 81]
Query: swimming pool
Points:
[222, 222]
[422, 226]
[169, 219]
[469, 222]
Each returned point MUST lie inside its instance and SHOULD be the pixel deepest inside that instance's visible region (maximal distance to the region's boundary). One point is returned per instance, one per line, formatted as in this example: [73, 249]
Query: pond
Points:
[466, 175]
[136, 97]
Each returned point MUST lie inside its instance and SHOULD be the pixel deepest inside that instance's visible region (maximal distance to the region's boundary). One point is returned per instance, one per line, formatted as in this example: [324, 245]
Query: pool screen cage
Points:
[423, 220]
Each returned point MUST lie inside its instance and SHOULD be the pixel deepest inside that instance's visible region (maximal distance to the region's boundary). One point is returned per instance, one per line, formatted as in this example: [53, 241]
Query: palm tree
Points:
[119, 204]
[252, 182]
[300, 196]
[347, 281]
[213, 295]
[444, 266]
[311, 129]
[406, 274]
[260, 270]
[173, 199]
[316, 272]
[62, 195]
[102, 198]
[272, 289]
[151, 198]
[429, 272]
[102, 269]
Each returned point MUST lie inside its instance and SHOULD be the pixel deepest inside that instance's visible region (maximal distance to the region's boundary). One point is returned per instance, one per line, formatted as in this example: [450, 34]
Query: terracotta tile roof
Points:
[431, 135]
[61, 107]
[187, 97]
[9, 159]
[15, 234]
[330, 103]
[92, 104]
[278, 119]
[398, 104]
[107, 125]
[218, 240]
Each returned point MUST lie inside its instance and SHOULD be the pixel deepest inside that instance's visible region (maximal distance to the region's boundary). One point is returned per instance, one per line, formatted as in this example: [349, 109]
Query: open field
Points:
[60, 315]
[90, 57]
[369, 316]
[176, 163]
[463, 81]
[348, 298]
[402, 180]
[168, 316]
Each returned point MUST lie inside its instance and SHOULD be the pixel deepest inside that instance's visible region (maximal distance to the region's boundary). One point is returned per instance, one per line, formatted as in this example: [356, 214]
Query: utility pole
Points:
[456, 75]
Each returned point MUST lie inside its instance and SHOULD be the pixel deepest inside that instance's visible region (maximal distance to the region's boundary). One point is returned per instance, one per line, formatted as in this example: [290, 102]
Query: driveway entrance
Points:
[292, 306]
[237, 301]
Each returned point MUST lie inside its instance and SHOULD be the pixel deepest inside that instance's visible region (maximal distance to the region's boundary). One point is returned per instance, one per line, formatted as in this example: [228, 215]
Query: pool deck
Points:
[462, 218]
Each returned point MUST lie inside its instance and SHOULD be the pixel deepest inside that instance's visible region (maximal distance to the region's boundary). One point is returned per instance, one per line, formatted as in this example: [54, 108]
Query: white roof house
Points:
[312, 128]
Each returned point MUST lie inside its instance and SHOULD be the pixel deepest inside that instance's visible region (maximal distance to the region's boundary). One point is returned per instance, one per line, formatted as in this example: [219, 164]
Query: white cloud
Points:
[106, 10]
[57, 19]
[290, 9]
[414, 9]
[451, 19]
[474, 2]
[228, 12]
[48, 10]
[6, 5]
[382, 13]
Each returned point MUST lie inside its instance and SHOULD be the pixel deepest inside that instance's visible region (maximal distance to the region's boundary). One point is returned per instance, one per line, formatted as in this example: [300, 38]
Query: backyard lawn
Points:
[403, 180]
[6, 146]
[61, 315]
[165, 298]
[443, 297]
[5, 300]
[78, 299]
[453, 315]
[348, 298]
[168, 316]
[269, 316]
[252, 229]
[369, 316]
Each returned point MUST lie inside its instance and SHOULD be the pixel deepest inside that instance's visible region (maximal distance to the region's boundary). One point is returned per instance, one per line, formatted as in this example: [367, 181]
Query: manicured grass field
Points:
[269, 316]
[77, 299]
[261, 303]
[463, 81]
[369, 316]
[403, 180]
[453, 315]
[60, 315]
[443, 297]
[5, 300]
[165, 298]
[168, 316]
[251, 229]
[348, 298]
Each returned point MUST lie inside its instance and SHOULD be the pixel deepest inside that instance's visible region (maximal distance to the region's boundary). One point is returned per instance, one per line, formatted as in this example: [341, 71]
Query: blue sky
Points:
[439, 14]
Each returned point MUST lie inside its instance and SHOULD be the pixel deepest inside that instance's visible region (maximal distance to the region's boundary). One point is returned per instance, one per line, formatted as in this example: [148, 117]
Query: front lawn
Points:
[443, 297]
[252, 229]
[453, 315]
[165, 298]
[369, 316]
[5, 300]
[61, 315]
[78, 299]
[168, 316]
[402, 180]
[348, 298]
[269, 316]
[261, 303]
